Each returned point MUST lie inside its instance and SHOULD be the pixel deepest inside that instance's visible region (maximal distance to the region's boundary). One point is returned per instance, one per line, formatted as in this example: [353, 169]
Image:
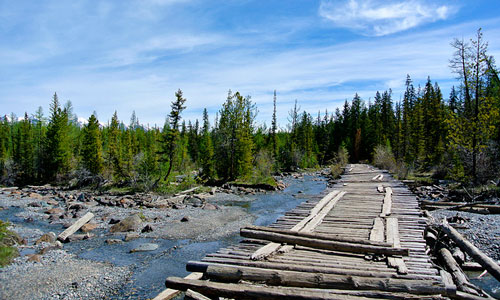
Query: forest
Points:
[455, 137]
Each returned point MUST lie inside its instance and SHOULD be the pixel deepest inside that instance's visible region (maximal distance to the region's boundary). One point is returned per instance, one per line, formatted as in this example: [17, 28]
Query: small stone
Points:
[210, 206]
[34, 204]
[113, 221]
[81, 197]
[52, 202]
[147, 228]
[47, 238]
[185, 219]
[131, 236]
[54, 211]
[145, 247]
[113, 241]
[35, 195]
[77, 206]
[34, 258]
[88, 227]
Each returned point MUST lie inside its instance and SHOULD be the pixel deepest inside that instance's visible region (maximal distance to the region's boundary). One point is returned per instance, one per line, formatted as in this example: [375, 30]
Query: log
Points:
[319, 236]
[170, 293]
[392, 235]
[323, 281]
[476, 254]
[74, 228]
[247, 291]
[187, 191]
[459, 276]
[319, 244]
[192, 295]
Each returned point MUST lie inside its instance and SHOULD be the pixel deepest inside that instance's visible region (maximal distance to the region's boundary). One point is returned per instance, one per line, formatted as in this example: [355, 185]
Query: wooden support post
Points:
[74, 228]
[476, 254]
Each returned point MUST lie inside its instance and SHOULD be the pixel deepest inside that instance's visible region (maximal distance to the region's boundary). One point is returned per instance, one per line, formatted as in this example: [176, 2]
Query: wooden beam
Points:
[392, 235]
[377, 232]
[461, 279]
[320, 244]
[74, 228]
[387, 206]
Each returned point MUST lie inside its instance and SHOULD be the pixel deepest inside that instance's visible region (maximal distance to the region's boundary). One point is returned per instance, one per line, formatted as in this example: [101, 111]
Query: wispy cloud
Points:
[378, 18]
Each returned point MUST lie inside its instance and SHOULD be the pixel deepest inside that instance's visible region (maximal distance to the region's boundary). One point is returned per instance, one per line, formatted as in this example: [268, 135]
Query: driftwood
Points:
[321, 244]
[74, 228]
[247, 291]
[476, 254]
[324, 281]
[452, 266]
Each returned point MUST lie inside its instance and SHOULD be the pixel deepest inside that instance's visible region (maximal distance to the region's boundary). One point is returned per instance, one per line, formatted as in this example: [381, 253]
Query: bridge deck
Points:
[365, 208]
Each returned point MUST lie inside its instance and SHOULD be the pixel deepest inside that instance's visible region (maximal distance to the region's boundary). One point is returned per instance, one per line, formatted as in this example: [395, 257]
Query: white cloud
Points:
[378, 18]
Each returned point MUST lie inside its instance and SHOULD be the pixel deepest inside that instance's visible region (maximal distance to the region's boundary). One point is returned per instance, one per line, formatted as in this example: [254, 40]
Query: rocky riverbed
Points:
[133, 241]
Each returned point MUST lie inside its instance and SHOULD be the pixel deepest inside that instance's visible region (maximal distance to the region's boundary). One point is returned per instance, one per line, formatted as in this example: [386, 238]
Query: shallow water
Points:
[150, 269]
[488, 283]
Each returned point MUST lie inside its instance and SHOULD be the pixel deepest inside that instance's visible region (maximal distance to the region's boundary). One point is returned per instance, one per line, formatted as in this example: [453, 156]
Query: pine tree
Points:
[206, 150]
[24, 156]
[92, 147]
[113, 155]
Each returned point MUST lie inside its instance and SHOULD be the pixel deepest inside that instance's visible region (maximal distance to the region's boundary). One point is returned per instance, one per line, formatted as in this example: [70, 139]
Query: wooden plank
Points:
[171, 293]
[74, 228]
[192, 295]
[377, 232]
[387, 206]
[392, 235]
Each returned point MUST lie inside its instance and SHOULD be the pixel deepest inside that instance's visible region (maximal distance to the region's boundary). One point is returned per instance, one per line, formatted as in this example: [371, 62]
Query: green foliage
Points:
[92, 147]
[7, 240]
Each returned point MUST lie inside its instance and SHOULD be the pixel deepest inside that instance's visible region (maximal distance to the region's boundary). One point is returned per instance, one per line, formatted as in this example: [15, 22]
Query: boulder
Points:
[145, 247]
[130, 223]
[88, 227]
[49, 237]
[113, 221]
[34, 204]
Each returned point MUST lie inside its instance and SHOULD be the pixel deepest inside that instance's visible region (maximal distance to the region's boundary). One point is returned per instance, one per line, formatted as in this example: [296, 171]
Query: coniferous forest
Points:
[455, 136]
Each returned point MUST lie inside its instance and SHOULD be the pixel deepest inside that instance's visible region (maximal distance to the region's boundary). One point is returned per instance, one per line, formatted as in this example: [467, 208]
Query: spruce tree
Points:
[92, 147]
[206, 150]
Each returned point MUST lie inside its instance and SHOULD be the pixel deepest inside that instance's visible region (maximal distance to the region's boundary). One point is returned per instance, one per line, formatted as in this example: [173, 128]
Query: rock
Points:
[178, 206]
[145, 247]
[88, 227]
[35, 195]
[81, 197]
[34, 204]
[77, 206]
[52, 202]
[34, 258]
[113, 241]
[210, 206]
[113, 221]
[130, 223]
[213, 190]
[79, 237]
[49, 237]
[185, 219]
[54, 211]
[147, 228]
[131, 236]
[56, 246]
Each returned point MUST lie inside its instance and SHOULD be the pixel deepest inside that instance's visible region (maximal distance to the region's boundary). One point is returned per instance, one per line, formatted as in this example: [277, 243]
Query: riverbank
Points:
[177, 230]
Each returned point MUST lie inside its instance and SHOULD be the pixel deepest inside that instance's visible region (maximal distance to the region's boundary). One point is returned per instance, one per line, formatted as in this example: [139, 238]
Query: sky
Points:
[133, 55]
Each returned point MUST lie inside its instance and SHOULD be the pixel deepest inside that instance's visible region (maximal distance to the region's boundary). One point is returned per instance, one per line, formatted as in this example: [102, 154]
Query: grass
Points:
[7, 240]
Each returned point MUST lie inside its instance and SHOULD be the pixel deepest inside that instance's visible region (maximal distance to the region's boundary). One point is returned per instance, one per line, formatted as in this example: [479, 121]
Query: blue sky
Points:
[133, 55]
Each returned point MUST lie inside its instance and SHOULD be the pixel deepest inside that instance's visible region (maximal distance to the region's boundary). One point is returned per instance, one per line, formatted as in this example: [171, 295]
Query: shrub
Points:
[339, 161]
[7, 240]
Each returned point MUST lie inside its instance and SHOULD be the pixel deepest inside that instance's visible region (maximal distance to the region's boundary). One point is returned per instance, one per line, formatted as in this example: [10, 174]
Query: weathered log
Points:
[324, 281]
[170, 293]
[192, 295]
[459, 276]
[387, 205]
[377, 232]
[246, 291]
[74, 228]
[319, 236]
[476, 254]
[319, 244]
[392, 235]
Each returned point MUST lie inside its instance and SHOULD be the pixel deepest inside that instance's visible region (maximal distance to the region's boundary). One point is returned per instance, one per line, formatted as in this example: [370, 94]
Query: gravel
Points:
[60, 275]
[481, 230]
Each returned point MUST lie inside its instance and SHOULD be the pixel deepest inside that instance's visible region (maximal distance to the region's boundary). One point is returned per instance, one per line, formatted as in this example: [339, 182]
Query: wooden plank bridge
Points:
[362, 239]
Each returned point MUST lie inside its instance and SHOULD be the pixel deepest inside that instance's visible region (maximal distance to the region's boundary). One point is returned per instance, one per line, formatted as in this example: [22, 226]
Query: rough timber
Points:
[321, 249]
